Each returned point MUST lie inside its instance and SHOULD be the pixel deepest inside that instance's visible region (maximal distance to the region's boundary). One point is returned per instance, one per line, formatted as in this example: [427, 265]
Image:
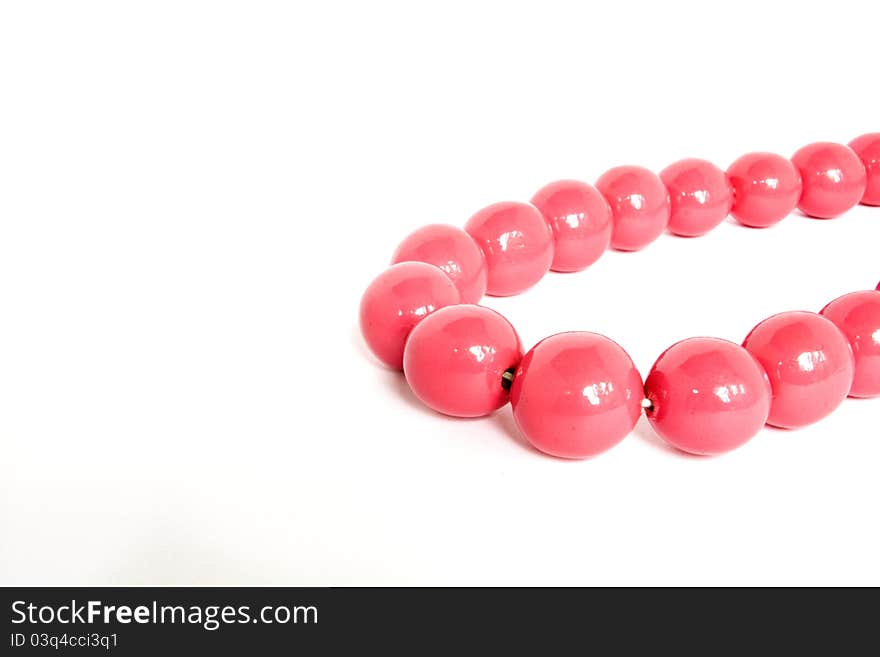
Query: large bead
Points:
[766, 188]
[575, 395]
[708, 396]
[700, 196]
[517, 243]
[581, 222]
[397, 300]
[809, 362]
[455, 363]
[639, 206]
[833, 176]
[857, 315]
[452, 250]
[867, 147]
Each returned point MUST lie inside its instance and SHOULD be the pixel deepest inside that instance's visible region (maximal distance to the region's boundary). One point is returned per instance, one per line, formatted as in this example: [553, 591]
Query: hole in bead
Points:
[507, 378]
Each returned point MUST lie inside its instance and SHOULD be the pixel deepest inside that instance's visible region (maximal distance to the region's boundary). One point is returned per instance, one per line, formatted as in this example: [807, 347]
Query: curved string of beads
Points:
[577, 394]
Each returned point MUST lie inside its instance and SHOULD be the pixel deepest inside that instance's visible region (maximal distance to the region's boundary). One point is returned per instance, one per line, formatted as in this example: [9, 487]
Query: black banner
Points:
[171, 621]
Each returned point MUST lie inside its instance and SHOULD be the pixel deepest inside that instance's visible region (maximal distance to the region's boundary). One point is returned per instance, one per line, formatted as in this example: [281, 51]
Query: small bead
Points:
[766, 188]
[451, 249]
[867, 147]
[397, 300]
[857, 315]
[700, 196]
[809, 362]
[581, 222]
[708, 396]
[456, 358]
[639, 206]
[833, 177]
[517, 243]
[576, 394]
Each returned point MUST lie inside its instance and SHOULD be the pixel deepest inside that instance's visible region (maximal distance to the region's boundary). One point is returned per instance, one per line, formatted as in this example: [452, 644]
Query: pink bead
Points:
[809, 362]
[398, 299]
[451, 249]
[766, 188]
[857, 315]
[708, 396]
[867, 147]
[581, 222]
[518, 245]
[455, 360]
[639, 206]
[575, 395]
[700, 196]
[833, 176]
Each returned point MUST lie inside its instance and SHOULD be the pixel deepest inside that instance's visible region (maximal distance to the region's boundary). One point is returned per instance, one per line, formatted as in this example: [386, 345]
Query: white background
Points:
[193, 197]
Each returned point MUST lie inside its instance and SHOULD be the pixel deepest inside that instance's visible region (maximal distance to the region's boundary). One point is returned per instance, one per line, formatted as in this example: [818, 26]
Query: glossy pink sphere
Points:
[575, 395]
[833, 176]
[451, 249]
[708, 396]
[397, 300]
[766, 188]
[456, 361]
[517, 243]
[700, 196]
[581, 222]
[639, 206]
[857, 315]
[809, 362]
[867, 147]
